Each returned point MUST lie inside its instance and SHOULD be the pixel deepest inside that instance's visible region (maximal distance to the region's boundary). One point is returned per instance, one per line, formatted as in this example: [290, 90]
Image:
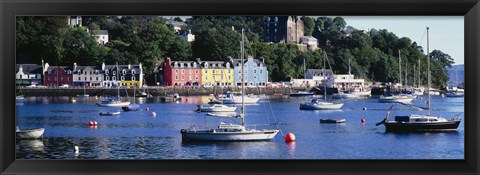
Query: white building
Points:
[188, 36]
[346, 81]
[309, 41]
[74, 21]
[101, 36]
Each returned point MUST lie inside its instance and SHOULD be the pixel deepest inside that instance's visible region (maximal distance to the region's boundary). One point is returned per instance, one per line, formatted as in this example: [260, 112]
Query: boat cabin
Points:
[223, 127]
[418, 119]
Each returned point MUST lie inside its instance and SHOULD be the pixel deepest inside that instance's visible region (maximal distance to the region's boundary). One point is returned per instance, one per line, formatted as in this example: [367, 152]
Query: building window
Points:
[20, 76]
[97, 78]
[255, 71]
[114, 72]
[229, 77]
[107, 78]
[90, 78]
[85, 78]
[196, 71]
[106, 72]
[206, 71]
[122, 78]
[176, 71]
[196, 77]
[190, 77]
[133, 78]
[176, 77]
[190, 71]
[114, 78]
[124, 72]
[133, 72]
[260, 71]
[183, 77]
[183, 71]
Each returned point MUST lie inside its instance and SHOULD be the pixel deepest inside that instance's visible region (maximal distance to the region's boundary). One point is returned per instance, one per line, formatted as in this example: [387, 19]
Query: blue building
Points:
[256, 73]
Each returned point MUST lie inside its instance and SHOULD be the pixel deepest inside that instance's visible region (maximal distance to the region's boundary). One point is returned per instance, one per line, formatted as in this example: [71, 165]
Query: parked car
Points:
[64, 86]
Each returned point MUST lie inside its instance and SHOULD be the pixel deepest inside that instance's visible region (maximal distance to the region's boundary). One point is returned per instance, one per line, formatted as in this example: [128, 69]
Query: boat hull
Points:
[332, 120]
[331, 106]
[419, 127]
[131, 107]
[119, 104]
[302, 94]
[208, 135]
[454, 95]
[395, 100]
[109, 113]
[223, 109]
[30, 134]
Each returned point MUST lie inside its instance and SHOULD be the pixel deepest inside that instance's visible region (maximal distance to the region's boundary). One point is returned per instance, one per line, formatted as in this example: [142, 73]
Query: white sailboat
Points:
[229, 131]
[29, 133]
[231, 98]
[401, 98]
[318, 104]
[420, 123]
[112, 101]
[216, 108]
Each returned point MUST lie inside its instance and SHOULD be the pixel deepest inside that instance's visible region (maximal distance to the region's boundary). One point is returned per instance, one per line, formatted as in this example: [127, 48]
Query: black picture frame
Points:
[470, 9]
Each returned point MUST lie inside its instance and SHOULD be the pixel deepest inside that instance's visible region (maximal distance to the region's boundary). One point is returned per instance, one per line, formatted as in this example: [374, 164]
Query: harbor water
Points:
[139, 135]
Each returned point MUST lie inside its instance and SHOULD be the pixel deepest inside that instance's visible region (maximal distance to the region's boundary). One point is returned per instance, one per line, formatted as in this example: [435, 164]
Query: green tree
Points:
[309, 24]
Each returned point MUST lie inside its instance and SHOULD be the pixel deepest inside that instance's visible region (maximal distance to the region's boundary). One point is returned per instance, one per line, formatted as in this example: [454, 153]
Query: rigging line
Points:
[266, 112]
[273, 114]
[425, 31]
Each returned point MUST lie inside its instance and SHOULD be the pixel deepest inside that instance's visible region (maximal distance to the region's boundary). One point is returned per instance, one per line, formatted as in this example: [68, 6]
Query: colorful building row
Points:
[214, 73]
[80, 76]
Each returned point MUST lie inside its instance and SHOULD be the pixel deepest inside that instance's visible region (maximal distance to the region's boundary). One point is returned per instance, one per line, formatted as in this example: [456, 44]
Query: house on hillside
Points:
[283, 29]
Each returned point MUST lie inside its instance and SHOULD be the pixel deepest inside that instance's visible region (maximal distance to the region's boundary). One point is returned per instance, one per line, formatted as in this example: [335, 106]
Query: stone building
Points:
[283, 29]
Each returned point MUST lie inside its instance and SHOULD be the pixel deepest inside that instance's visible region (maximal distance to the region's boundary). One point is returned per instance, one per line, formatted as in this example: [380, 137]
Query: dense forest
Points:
[149, 39]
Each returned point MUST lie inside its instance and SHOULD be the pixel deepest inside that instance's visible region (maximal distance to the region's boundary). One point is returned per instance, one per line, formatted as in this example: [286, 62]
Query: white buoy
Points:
[364, 109]
[77, 151]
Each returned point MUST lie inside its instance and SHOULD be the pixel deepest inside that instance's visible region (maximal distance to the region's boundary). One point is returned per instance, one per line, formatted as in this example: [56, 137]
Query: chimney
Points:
[199, 60]
[103, 66]
[20, 69]
[74, 66]
[129, 66]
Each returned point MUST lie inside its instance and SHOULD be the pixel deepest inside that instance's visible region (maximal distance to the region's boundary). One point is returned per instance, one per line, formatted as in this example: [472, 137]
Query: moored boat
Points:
[216, 108]
[29, 133]
[319, 104]
[19, 99]
[396, 99]
[454, 94]
[110, 113]
[112, 102]
[332, 120]
[302, 94]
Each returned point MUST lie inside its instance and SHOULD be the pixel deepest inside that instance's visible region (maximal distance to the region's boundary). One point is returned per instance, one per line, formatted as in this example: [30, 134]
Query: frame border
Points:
[470, 9]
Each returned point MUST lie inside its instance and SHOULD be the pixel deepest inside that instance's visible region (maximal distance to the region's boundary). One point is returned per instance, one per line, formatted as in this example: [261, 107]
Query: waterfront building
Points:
[347, 81]
[28, 74]
[319, 76]
[187, 35]
[88, 76]
[122, 75]
[255, 71]
[58, 75]
[217, 73]
[180, 73]
[101, 36]
[284, 29]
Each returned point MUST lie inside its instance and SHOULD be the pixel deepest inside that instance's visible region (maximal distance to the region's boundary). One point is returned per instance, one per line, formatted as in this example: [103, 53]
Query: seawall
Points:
[155, 91]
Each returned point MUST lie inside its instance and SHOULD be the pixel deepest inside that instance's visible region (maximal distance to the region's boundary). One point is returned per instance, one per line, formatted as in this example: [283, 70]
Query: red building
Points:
[58, 76]
[182, 73]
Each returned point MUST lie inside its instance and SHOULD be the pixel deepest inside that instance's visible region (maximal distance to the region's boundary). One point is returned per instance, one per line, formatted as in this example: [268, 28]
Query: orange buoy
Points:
[290, 137]
[146, 109]
[363, 120]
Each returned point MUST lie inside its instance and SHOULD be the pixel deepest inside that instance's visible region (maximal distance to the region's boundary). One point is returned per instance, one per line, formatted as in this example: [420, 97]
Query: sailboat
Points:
[20, 98]
[133, 106]
[401, 98]
[351, 94]
[230, 131]
[416, 122]
[112, 101]
[318, 104]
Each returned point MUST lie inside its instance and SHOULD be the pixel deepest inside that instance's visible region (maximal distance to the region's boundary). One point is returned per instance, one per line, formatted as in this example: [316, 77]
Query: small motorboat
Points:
[30, 133]
[455, 94]
[224, 114]
[332, 120]
[110, 113]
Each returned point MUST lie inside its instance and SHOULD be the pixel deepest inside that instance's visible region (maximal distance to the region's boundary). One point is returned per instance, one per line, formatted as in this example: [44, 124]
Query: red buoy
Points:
[290, 137]
[91, 123]
[146, 109]
[362, 120]
[153, 114]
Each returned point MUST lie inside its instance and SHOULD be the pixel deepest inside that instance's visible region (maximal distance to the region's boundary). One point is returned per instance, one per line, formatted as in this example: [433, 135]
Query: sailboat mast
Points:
[242, 114]
[428, 72]
[419, 79]
[399, 68]
[118, 84]
[324, 76]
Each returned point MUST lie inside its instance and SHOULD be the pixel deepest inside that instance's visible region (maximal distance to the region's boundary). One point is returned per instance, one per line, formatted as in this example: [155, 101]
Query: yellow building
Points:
[217, 73]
